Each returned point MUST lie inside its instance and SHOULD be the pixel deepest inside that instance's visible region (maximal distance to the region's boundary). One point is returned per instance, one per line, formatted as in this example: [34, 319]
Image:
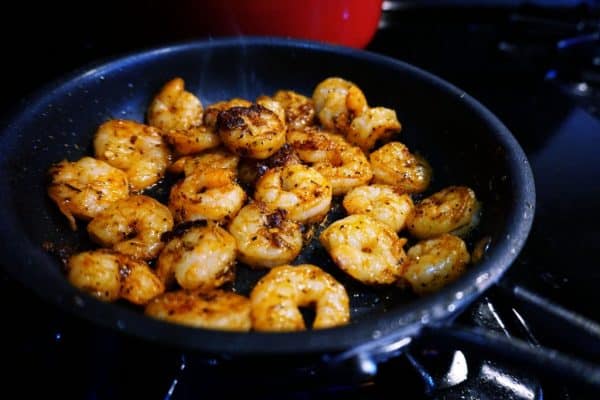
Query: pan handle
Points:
[542, 360]
[579, 336]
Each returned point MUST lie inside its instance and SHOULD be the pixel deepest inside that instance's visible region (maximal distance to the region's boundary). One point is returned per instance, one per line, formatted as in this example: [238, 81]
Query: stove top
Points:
[536, 69]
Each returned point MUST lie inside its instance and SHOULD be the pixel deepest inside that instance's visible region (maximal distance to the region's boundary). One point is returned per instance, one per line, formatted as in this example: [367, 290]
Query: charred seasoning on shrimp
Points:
[254, 131]
[299, 109]
[212, 111]
[265, 238]
[251, 170]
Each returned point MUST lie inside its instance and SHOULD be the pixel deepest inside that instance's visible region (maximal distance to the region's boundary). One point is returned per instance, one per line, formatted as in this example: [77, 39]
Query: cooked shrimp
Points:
[250, 170]
[383, 203]
[299, 190]
[135, 148]
[83, 188]
[343, 165]
[192, 140]
[454, 209]
[207, 194]
[219, 158]
[299, 109]
[109, 276]
[337, 102]
[132, 226]
[212, 310]
[265, 238]
[254, 131]
[271, 104]
[365, 249]
[434, 263]
[276, 299]
[314, 145]
[175, 109]
[393, 164]
[198, 255]
[372, 125]
[212, 111]
[350, 170]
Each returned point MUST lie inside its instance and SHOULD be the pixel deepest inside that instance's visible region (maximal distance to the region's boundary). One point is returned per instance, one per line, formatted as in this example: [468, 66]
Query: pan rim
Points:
[405, 320]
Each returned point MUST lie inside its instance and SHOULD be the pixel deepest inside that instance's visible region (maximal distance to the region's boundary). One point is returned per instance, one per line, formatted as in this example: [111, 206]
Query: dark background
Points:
[42, 41]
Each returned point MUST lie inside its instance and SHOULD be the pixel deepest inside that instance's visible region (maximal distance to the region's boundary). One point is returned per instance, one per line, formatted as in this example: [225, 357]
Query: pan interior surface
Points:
[464, 143]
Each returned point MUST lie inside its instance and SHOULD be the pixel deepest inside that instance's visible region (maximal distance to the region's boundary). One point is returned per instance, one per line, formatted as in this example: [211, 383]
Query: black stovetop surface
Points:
[548, 96]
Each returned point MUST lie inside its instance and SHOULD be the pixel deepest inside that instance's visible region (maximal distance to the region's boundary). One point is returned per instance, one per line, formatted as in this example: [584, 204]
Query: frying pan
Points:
[463, 141]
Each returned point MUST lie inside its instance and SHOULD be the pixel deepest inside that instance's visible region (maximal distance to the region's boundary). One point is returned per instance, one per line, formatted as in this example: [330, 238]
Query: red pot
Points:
[346, 22]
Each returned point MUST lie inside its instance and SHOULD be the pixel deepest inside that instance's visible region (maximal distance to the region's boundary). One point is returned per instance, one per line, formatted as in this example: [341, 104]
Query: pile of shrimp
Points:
[252, 177]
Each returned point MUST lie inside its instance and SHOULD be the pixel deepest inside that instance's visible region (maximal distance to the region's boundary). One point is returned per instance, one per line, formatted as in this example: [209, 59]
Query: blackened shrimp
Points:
[365, 249]
[393, 164]
[383, 203]
[207, 194]
[265, 238]
[84, 188]
[299, 190]
[271, 104]
[254, 131]
[454, 209]
[434, 263]
[174, 108]
[299, 109]
[250, 170]
[214, 309]
[198, 256]
[135, 148]
[132, 226]
[212, 111]
[276, 299]
[109, 276]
